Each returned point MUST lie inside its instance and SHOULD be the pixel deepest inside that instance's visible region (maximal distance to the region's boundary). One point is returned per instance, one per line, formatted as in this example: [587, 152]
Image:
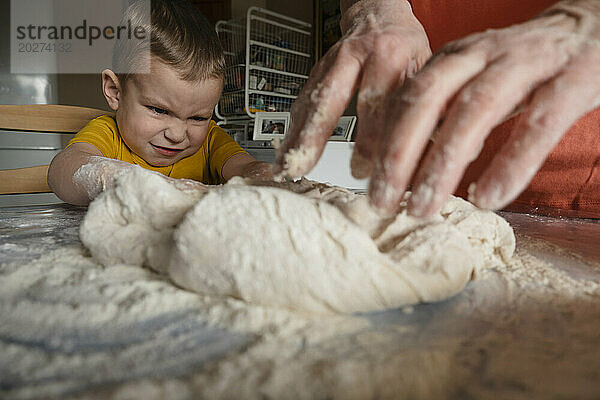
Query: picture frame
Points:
[344, 129]
[270, 125]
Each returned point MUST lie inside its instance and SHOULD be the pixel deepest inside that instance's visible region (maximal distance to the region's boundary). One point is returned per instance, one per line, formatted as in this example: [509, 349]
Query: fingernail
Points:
[421, 200]
[490, 197]
[360, 165]
[276, 143]
[471, 192]
[298, 161]
[383, 197]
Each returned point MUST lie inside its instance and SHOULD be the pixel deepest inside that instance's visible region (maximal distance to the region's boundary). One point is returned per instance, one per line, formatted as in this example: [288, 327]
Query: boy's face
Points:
[163, 118]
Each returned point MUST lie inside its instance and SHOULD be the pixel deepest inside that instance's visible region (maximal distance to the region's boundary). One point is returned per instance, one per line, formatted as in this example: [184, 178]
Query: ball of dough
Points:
[132, 222]
[277, 248]
[302, 246]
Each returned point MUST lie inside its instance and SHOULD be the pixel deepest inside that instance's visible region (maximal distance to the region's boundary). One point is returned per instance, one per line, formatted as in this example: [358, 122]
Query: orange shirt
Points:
[569, 181]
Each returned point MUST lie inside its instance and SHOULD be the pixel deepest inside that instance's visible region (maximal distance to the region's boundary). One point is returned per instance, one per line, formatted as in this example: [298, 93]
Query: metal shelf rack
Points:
[269, 57]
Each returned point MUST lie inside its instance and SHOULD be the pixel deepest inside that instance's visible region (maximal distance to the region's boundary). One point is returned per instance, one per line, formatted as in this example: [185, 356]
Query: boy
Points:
[163, 119]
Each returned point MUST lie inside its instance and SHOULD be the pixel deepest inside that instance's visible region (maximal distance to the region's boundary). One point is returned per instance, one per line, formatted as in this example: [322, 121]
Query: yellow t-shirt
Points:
[204, 166]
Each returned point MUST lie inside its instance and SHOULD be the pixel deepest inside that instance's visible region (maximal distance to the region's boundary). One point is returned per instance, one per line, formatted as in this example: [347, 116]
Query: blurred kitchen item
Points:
[28, 89]
[334, 167]
[22, 88]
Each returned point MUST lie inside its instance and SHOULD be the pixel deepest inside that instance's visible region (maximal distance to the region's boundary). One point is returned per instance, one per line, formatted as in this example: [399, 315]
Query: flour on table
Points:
[72, 328]
[304, 246]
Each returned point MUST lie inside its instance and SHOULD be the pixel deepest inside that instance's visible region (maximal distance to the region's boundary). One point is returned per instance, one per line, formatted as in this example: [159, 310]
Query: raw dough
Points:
[302, 246]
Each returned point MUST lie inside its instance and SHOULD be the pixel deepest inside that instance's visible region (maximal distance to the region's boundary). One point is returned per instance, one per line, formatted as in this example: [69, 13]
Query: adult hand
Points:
[549, 66]
[383, 43]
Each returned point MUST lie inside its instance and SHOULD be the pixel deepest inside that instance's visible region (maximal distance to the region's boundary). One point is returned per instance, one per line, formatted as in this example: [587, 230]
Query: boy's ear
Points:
[111, 88]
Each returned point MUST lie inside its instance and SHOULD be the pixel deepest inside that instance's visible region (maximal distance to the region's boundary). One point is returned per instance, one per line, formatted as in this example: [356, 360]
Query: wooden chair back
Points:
[49, 118]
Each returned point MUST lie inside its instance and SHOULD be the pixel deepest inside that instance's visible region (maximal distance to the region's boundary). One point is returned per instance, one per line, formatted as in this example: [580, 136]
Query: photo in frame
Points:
[343, 130]
[270, 125]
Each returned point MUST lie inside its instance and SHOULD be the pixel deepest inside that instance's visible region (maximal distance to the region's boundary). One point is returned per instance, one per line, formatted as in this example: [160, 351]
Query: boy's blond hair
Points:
[180, 36]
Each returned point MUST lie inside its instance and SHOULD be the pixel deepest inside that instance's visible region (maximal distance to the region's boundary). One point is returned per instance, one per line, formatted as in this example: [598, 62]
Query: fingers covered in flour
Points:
[476, 109]
[315, 113]
[546, 67]
[412, 118]
[383, 43]
[539, 130]
[384, 73]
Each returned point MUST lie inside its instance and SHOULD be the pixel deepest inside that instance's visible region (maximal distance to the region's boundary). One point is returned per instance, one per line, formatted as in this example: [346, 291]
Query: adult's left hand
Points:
[549, 67]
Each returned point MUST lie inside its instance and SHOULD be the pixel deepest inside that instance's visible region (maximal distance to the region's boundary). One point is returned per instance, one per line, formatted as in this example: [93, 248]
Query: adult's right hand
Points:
[383, 44]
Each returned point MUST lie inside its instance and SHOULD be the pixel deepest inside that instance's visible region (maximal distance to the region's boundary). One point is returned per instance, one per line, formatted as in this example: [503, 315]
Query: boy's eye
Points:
[157, 110]
[199, 119]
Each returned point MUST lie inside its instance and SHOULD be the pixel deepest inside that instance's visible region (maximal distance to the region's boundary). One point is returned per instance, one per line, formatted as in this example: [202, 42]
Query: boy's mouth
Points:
[166, 151]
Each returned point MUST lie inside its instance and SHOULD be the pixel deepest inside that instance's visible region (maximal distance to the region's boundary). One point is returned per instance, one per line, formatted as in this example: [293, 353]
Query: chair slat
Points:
[47, 117]
[24, 180]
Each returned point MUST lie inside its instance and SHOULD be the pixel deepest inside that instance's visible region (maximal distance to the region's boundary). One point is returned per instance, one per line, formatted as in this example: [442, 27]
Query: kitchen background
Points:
[319, 18]
[84, 89]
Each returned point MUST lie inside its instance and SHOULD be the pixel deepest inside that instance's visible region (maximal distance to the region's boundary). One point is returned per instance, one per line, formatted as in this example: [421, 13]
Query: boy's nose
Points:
[176, 133]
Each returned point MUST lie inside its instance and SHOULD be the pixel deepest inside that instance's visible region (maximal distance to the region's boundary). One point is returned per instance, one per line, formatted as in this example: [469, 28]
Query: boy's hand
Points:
[80, 172]
[98, 174]
[246, 166]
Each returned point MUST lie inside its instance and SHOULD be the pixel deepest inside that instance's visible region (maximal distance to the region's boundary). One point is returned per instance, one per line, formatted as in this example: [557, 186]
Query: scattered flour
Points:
[74, 328]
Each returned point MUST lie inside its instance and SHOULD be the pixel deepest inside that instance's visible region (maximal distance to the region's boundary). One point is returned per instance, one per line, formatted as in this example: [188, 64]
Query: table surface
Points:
[43, 228]
[572, 245]
[577, 235]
